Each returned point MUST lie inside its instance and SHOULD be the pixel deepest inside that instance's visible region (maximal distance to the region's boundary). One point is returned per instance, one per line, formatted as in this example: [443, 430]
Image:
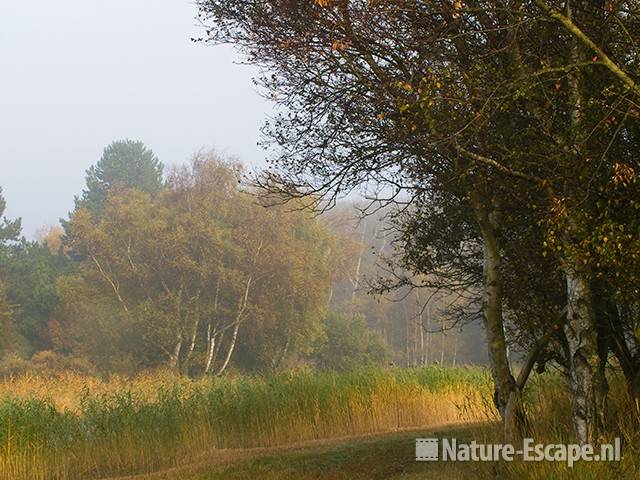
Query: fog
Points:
[77, 74]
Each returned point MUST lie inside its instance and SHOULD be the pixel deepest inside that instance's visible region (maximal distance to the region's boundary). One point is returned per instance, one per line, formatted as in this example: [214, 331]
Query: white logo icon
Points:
[426, 449]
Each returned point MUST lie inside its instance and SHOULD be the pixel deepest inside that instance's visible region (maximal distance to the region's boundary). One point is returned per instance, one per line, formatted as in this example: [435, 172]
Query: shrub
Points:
[348, 344]
[47, 362]
[12, 365]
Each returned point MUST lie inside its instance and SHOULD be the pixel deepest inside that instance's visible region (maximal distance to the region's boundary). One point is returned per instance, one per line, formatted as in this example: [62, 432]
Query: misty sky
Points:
[77, 74]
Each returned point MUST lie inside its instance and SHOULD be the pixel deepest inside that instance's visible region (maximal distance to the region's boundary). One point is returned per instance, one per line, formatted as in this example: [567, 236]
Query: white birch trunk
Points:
[442, 342]
[174, 360]
[241, 308]
[192, 343]
[210, 349]
[211, 333]
[232, 346]
[588, 382]
[504, 383]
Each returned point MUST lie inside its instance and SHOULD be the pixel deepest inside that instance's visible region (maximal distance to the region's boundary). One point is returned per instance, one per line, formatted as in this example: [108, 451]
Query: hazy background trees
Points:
[195, 269]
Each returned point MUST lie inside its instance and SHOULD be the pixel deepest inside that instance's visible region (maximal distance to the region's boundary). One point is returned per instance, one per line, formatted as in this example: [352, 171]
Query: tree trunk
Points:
[406, 340]
[422, 360]
[455, 349]
[356, 279]
[442, 341]
[428, 355]
[232, 346]
[241, 308]
[421, 323]
[192, 343]
[211, 331]
[283, 355]
[416, 337]
[505, 391]
[218, 347]
[588, 382]
[211, 345]
[174, 359]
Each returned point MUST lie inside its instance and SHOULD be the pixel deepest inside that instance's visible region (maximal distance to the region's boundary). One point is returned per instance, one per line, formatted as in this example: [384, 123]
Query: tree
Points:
[372, 94]
[348, 344]
[483, 101]
[9, 232]
[6, 317]
[9, 229]
[194, 265]
[89, 323]
[133, 255]
[297, 262]
[124, 164]
[31, 271]
[52, 237]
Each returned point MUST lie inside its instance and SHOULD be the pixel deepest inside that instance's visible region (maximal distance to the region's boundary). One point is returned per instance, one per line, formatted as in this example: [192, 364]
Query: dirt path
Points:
[218, 458]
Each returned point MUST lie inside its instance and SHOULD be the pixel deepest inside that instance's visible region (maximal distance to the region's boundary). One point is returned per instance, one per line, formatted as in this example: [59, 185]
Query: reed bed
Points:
[75, 427]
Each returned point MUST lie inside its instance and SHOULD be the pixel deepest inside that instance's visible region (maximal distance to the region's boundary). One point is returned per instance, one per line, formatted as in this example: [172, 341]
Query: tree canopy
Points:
[193, 264]
[124, 164]
[514, 121]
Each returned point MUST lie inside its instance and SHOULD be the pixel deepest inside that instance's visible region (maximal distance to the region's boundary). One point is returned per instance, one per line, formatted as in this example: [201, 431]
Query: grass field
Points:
[75, 427]
[303, 425]
[386, 456]
[382, 457]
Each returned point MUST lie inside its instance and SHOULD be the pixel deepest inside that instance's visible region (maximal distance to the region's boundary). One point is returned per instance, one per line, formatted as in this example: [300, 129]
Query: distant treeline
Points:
[196, 270]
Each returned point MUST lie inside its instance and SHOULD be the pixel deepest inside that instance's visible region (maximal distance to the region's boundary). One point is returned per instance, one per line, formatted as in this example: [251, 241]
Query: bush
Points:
[13, 365]
[48, 362]
[45, 363]
[348, 344]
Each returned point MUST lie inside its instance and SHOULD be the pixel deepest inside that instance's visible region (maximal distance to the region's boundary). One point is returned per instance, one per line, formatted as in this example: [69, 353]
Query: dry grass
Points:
[67, 389]
[83, 427]
[75, 426]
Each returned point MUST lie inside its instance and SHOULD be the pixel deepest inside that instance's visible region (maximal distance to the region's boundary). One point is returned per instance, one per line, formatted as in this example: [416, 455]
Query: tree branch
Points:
[501, 168]
[604, 59]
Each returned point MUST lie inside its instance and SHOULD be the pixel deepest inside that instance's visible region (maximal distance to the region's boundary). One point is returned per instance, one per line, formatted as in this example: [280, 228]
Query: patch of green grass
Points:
[379, 459]
[392, 458]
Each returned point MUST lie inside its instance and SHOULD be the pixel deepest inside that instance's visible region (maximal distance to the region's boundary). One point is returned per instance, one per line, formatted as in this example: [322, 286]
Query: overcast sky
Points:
[77, 74]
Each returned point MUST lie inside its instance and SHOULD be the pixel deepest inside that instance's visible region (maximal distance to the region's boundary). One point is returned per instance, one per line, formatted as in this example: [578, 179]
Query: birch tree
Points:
[485, 101]
[189, 267]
